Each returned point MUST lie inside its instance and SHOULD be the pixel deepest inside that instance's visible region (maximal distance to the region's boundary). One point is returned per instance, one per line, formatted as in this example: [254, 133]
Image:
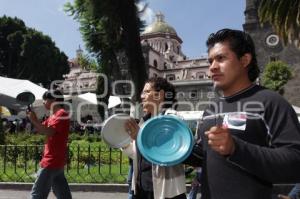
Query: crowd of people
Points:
[247, 140]
[15, 125]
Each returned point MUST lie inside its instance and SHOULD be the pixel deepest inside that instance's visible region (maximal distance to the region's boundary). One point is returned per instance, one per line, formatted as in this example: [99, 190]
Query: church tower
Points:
[269, 47]
[163, 54]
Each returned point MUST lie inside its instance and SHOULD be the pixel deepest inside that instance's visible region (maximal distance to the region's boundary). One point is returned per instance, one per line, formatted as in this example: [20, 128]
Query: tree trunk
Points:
[133, 49]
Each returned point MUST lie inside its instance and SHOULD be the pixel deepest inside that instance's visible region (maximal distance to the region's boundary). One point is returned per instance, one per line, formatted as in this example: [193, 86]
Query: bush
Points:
[74, 136]
[24, 139]
[89, 160]
[276, 75]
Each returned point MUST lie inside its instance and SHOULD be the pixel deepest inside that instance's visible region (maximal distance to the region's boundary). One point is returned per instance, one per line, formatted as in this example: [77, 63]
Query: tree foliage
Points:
[28, 54]
[108, 28]
[276, 75]
[284, 16]
[88, 63]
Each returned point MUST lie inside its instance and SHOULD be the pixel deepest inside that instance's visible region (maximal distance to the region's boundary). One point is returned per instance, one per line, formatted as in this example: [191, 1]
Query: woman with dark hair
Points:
[152, 181]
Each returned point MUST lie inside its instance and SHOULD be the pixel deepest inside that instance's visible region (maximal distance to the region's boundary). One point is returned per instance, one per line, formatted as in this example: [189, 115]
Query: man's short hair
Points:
[240, 43]
[54, 94]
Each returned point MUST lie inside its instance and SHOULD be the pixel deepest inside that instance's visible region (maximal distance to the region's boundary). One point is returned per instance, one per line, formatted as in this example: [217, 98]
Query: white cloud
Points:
[148, 15]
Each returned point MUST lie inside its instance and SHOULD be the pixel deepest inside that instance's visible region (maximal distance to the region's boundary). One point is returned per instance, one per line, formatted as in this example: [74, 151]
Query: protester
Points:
[152, 181]
[56, 129]
[250, 135]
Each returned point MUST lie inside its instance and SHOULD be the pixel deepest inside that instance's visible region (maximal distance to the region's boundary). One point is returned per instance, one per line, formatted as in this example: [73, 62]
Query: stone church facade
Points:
[164, 58]
[269, 47]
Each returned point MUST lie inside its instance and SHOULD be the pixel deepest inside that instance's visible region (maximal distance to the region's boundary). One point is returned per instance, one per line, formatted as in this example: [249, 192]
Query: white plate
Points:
[114, 132]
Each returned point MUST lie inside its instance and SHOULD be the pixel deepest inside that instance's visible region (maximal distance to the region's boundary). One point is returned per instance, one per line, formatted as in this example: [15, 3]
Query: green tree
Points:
[276, 75]
[88, 63]
[284, 16]
[108, 29]
[28, 54]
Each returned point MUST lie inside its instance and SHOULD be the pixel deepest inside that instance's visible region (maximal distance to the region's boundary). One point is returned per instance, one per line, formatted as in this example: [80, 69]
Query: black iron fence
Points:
[85, 164]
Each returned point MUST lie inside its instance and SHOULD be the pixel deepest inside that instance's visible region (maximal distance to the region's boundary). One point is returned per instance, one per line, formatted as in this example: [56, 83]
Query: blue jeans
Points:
[295, 192]
[195, 188]
[193, 192]
[48, 178]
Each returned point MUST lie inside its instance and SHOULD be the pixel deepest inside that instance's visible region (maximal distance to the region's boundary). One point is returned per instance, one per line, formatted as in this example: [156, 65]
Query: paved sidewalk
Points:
[25, 194]
[11, 190]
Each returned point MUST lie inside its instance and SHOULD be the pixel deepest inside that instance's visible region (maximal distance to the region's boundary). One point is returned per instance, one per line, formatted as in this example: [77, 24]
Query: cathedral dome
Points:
[159, 26]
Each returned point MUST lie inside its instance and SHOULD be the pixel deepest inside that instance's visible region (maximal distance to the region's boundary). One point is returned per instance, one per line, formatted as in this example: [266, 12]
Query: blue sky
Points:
[193, 20]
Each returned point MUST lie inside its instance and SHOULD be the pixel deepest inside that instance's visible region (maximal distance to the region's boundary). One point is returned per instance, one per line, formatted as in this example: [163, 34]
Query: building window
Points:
[180, 95]
[272, 40]
[123, 60]
[274, 58]
[165, 66]
[154, 75]
[166, 46]
[155, 63]
[193, 94]
[200, 75]
[170, 77]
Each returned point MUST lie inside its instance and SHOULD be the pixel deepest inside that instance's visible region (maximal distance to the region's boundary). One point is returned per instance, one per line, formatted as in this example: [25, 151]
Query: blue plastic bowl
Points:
[165, 140]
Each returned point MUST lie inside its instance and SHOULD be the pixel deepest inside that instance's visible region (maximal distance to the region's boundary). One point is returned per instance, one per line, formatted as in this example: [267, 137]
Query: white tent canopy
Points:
[92, 98]
[113, 101]
[86, 104]
[10, 88]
